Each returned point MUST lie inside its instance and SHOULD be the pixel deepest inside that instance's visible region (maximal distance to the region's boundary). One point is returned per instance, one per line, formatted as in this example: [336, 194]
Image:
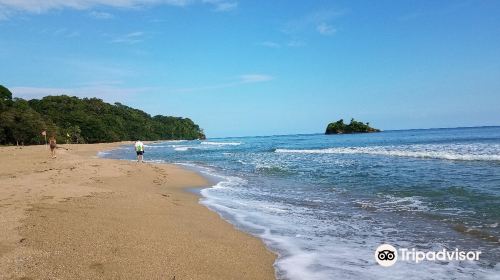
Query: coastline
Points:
[80, 216]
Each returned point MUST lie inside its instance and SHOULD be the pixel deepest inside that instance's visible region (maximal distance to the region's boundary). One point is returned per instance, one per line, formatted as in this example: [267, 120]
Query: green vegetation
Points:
[339, 127]
[87, 120]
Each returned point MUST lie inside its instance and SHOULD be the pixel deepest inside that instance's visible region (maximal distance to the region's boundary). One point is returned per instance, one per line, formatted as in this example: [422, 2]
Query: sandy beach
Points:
[82, 217]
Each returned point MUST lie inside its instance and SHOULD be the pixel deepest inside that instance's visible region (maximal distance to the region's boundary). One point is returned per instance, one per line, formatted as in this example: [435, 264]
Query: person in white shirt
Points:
[139, 149]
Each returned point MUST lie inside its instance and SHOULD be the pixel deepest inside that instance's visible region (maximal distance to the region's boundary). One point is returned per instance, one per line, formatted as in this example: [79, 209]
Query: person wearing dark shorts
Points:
[139, 149]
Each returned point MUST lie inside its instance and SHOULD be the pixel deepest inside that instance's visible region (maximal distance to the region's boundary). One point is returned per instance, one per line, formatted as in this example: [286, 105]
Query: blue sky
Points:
[263, 67]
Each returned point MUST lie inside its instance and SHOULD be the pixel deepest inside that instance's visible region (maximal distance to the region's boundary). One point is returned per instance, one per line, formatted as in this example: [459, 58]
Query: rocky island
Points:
[339, 127]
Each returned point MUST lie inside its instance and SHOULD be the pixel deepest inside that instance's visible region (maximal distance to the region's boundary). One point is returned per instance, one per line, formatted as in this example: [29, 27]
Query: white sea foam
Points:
[154, 161]
[220, 143]
[103, 153]
[479, 152]
[108, 152]
[203, 146]
[157, 146]
[304, 255]
[389, 203]
[174, 141]
[409, 203]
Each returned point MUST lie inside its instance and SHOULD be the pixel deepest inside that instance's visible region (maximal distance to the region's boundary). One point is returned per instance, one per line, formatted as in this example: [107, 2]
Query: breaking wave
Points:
[478, 152]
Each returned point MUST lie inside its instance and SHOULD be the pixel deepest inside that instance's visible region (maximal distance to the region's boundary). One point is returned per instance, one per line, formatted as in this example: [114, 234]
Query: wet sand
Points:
[81, 217]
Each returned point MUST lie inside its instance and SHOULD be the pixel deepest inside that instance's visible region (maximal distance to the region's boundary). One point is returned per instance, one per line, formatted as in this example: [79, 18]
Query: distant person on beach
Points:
[53, 146]
[139, 149]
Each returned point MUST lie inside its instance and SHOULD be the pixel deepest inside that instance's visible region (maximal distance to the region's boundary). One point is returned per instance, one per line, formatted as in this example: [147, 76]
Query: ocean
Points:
[324, 203]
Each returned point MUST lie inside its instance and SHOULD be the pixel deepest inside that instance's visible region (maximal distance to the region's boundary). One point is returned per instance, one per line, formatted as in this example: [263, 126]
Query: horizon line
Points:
[388, 130]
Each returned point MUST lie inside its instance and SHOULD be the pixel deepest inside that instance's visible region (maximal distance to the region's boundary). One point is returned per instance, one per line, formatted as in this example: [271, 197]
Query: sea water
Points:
[325, 202]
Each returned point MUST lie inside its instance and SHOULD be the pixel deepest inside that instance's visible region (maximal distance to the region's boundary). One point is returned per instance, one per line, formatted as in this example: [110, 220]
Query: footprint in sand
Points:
[99, 267]
[157, 182]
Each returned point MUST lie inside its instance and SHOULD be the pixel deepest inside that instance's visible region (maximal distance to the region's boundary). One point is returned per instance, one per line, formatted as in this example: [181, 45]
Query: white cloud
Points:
[87, 69]
[325, 15]
[130, 38]
[269, 44]
[114, 90]
[276, 45]
[101, 15]
[320, 21]
[255, 78]
[238, 81]
[7, 7]
[296, 44]
[222, 5]
[60, 32]
[326, 29]
[108, 93]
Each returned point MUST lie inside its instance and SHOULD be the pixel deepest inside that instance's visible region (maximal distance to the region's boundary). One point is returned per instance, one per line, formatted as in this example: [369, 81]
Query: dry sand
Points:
[81, 217]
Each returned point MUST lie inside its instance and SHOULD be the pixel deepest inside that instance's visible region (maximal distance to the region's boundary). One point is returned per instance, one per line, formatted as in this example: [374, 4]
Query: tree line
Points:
[84, 120]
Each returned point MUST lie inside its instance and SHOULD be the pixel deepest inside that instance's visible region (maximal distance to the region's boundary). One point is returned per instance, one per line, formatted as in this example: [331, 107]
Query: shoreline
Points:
[81, 216]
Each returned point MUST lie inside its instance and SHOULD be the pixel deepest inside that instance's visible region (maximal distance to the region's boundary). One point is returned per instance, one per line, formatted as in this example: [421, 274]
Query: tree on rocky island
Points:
[339, 127]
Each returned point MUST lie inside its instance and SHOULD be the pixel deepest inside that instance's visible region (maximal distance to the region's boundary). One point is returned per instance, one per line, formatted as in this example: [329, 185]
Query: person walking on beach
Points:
[53, 146]
[139, 149]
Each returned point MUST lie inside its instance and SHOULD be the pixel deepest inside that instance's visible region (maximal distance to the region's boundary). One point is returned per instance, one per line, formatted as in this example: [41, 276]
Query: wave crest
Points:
[450, 152]
[220, 143]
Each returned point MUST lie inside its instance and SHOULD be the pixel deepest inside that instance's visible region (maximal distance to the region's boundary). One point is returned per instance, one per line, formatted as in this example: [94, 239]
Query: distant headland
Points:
[339, 127]
[88, 120]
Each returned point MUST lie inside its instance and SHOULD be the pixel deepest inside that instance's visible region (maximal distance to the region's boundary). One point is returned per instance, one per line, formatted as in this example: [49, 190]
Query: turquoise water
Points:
[325, 202]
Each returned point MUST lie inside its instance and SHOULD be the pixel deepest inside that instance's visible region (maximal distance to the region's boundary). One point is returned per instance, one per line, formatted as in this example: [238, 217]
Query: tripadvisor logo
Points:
[386, 255]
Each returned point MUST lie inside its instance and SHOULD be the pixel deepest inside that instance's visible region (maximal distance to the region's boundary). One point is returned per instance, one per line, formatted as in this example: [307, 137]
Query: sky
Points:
[251, 67]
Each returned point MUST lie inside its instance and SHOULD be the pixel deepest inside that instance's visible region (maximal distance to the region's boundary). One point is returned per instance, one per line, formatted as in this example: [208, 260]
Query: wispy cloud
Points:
[46, 5]
[222, 5]
[255, 78]
[320, 22]
[130, 38]
[115, 91]
[276, 45]
[87, 69]
[296, 43]
[448, 8]
[109, 93]
[269, 44]
[237, 81]
[8, 7]
[101, 15]
[326, 29]
[60, 32]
